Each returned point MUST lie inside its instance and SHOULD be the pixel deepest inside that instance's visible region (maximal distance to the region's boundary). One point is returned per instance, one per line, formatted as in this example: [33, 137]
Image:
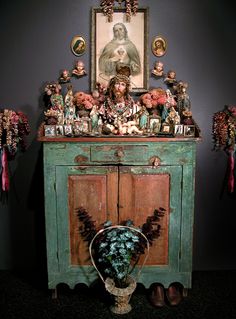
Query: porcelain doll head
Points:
[79, 65]
[79, 69]
[159, 66]
[65, 76]
[171, 74]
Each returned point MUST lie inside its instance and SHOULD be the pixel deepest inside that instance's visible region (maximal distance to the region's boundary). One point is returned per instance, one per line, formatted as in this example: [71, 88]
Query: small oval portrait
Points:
[159, 46]
[78, 45]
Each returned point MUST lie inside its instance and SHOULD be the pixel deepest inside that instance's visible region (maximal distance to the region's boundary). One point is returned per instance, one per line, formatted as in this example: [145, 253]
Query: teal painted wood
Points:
[176, 158]
[95, 153]
[147, 277]
[50, 219]
[187, 218]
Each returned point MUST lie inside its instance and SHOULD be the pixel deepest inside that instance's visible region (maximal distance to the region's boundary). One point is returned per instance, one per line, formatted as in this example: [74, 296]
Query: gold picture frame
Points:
[78, 45]
[189, 130]
[50, 130]
[68, 130]
[166, 128]
[108, 48]
[159, 46]
[154, 124]
[179, 129]
[59, 130]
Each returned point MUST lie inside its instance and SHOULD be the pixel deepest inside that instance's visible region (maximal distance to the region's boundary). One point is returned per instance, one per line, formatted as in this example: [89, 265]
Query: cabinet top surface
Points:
[117, 139]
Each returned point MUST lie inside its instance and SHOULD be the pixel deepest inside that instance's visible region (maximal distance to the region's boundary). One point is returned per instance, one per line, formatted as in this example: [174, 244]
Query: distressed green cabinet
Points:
[117, 179]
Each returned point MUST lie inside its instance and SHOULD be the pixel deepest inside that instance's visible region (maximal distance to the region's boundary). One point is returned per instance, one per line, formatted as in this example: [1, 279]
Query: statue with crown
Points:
[119, 111]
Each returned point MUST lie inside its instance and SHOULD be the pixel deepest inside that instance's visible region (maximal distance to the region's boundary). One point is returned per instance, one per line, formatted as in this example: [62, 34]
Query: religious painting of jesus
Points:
[120, 43]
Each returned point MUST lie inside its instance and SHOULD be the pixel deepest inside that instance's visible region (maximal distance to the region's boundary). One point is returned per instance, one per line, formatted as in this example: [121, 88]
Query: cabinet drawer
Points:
[119, 153]
[127, 153]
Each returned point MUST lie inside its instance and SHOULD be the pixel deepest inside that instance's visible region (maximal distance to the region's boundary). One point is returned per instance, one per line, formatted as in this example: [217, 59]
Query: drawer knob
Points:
[155, 161]
[119, 153]
[80, 159]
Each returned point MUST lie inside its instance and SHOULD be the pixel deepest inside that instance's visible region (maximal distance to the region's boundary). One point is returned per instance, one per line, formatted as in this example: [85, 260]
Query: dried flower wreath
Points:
[13, 128]
[224, 136]
[131, 7]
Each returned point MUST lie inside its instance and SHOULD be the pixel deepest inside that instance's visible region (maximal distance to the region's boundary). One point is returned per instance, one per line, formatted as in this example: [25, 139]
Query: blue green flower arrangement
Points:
[117, 249]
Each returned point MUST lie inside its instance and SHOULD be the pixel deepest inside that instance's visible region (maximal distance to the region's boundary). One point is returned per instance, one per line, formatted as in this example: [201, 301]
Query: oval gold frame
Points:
[74, 45]
[162, 50]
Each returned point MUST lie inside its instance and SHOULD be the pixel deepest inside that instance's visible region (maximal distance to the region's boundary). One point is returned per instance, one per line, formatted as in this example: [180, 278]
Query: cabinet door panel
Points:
[93, 188]
[141, 191]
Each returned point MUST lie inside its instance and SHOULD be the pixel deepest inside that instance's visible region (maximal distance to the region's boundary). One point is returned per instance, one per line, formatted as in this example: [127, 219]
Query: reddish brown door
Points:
[141, 191]
[96, 190]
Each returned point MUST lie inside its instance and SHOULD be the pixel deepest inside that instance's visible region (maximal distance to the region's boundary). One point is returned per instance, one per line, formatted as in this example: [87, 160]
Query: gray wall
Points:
[35, 46]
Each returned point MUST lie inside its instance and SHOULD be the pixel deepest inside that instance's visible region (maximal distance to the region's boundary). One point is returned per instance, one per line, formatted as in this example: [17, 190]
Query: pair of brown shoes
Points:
[157, 295]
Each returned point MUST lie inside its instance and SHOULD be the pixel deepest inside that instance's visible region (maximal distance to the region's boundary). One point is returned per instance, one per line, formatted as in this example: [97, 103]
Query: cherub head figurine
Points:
[79, 69]
[65, 77]
[158, 69]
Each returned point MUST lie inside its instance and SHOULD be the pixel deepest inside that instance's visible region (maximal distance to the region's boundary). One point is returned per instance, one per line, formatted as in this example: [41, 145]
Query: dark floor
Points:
[213, 295]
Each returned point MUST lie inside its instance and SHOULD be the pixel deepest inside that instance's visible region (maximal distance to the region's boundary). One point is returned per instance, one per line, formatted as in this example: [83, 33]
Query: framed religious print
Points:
[159, 46]
[119, 43]
[85, 125]
[78, 45]
[76, 129]
[49, 130]
[68, 130]
[189, 130]
[178, 129]
[154, 124]
[166, 128]
[59, 130]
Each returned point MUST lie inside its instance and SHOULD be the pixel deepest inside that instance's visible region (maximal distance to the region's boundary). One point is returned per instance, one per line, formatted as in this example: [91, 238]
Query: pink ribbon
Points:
[5, 175]
[231, 171]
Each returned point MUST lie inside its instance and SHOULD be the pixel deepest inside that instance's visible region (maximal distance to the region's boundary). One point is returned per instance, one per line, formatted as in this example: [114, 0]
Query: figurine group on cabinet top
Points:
[112, 110]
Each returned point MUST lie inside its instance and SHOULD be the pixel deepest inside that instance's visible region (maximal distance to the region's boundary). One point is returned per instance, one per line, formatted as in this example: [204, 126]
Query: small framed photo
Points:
[167, 129]
[59, 130]
[78, 45]
[189, 130]
[179, 129]
[77, 129]
[154, 124]
[85, 125]
[49, 130]
[68, 130]
[159, 46]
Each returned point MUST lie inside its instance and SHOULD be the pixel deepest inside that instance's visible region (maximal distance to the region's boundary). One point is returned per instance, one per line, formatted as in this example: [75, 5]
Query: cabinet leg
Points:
[185, 292]
[54, 293]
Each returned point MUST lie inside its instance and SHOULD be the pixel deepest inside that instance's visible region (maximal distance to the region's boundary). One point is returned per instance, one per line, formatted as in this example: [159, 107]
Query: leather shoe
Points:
[173, 295]
[157, 296]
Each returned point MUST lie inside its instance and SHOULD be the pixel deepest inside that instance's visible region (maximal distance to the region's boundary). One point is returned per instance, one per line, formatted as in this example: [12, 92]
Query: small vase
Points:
[121, 295]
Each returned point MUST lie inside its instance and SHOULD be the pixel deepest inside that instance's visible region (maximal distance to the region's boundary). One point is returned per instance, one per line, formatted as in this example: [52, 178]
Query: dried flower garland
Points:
[13, 128]
[107, 6]
[224, 137]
